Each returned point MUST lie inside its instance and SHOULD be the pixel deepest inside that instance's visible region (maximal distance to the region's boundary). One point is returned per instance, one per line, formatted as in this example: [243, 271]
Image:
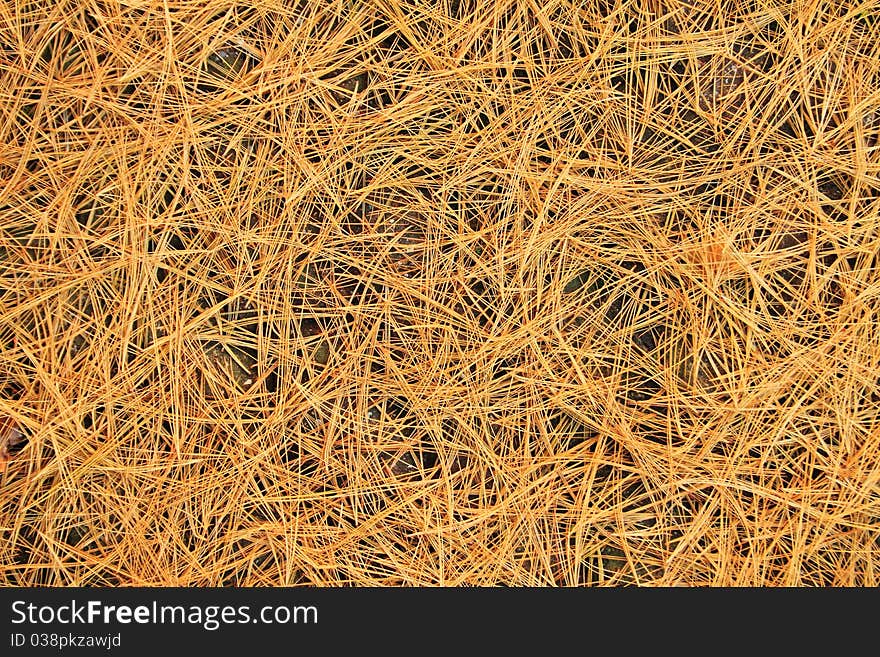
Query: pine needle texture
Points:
[440, 293]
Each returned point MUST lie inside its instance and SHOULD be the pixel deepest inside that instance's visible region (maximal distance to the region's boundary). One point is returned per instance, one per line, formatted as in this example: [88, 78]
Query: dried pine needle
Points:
[453, 293]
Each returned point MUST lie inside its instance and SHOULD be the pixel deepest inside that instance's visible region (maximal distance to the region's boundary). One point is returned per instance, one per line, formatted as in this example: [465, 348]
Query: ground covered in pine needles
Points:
[391, 292]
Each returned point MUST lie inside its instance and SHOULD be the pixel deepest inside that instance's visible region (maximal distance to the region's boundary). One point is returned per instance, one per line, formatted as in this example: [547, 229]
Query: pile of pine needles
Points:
[392, 292]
